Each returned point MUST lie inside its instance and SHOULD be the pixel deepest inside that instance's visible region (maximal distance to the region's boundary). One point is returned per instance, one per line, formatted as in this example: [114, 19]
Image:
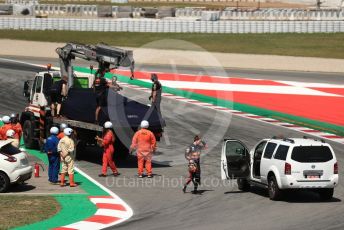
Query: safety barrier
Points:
[188, 12]
[182, 26]
[198, 1]
[22, 2]
[265, 14]
[68, 10]
[80, 1]
[97, 10]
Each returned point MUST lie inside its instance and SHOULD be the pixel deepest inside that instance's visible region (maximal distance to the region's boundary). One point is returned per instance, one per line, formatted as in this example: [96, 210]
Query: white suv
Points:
[14, 165]
[280, 164]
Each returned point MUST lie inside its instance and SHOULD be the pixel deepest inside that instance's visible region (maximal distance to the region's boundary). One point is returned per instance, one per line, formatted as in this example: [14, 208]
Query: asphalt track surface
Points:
[160, 203]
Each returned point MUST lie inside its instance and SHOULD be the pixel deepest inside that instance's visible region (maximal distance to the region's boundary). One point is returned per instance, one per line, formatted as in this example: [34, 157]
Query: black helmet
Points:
[154, 77]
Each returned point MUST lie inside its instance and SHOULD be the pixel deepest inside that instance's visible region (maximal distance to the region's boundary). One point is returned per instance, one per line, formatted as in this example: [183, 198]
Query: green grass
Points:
[22, 210]
[308, 45]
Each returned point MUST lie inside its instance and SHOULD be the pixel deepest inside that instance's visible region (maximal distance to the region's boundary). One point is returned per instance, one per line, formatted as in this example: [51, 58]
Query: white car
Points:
[14, 165]
[281, 164]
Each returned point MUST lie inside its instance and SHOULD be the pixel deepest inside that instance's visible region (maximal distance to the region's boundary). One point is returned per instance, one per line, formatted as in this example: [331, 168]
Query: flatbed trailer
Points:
[79, 107]
[77, 124]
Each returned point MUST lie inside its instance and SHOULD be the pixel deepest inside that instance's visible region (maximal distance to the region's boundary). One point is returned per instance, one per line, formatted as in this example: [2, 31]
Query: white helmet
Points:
[63, 126]
[10, 133]
[54, 130]
[6, 119]
[108, 125]
[144, 124]
[14, 117]
[68, 131]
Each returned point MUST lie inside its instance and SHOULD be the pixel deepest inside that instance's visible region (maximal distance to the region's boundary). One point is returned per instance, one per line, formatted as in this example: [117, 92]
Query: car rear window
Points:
[269, 150]
[306, 154]
[281, 153]
[9, 149]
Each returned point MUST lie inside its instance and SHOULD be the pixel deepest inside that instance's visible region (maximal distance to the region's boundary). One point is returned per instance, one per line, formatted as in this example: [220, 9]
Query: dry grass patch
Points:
[17, 211]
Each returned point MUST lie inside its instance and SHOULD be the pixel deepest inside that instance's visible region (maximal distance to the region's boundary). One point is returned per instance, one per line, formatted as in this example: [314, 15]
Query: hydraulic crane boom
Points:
[106, 56]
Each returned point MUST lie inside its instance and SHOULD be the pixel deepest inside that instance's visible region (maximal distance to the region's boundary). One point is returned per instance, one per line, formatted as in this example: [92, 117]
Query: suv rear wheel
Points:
[275, 192]
[326, 193]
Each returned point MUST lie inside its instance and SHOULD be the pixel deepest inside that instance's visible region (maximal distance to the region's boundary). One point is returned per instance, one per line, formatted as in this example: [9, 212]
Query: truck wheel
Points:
[243, 185]
[4, 182]
[121, 151]
[274, 191]
[80, 149]
[326, 193]
[28, 134]
[48, 125]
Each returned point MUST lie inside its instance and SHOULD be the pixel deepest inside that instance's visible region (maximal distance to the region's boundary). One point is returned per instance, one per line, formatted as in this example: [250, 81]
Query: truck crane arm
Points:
[106, 56]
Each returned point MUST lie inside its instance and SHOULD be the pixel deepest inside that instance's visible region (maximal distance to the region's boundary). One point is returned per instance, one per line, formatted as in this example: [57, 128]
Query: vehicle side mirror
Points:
[26, 91]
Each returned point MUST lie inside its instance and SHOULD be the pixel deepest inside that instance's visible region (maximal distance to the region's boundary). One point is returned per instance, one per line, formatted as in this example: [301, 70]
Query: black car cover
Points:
[80, 105]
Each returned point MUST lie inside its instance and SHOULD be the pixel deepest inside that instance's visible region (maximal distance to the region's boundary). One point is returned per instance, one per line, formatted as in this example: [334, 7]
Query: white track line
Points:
[86, 225]
[129, 211]
[105, 200]
[109, 212]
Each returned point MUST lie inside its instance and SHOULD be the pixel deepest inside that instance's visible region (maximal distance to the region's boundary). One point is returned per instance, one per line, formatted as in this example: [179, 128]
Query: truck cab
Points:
[281, 164]
[37, 92]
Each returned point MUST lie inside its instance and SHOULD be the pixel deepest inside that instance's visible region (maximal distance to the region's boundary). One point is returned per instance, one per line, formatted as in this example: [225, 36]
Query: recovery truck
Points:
[79, 108]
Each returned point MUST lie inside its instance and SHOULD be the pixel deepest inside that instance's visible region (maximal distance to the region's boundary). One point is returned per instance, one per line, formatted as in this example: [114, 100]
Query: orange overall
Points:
[3, 131]
[60, 135]
[17, 128]
[145, 143]
[108, 141]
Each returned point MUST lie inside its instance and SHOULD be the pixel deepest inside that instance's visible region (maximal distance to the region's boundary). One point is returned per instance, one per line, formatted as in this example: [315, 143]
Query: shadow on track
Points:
[291, 196]
[18, 188]
[94, 155]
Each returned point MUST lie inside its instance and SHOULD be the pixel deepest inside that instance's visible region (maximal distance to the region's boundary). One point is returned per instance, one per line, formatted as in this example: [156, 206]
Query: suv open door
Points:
[235, 160]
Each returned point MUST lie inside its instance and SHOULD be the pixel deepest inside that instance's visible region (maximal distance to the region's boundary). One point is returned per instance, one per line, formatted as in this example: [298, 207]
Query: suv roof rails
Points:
[278, 137]
[289, 140]
[321, 140]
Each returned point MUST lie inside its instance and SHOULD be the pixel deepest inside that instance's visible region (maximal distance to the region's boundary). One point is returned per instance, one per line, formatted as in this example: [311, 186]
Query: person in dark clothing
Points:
[57, 94]
[50, 148]
[100, 86]
[155, 96]
[194, 153]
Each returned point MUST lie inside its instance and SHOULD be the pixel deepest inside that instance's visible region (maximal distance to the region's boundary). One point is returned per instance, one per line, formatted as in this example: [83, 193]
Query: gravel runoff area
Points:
[168, 57]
